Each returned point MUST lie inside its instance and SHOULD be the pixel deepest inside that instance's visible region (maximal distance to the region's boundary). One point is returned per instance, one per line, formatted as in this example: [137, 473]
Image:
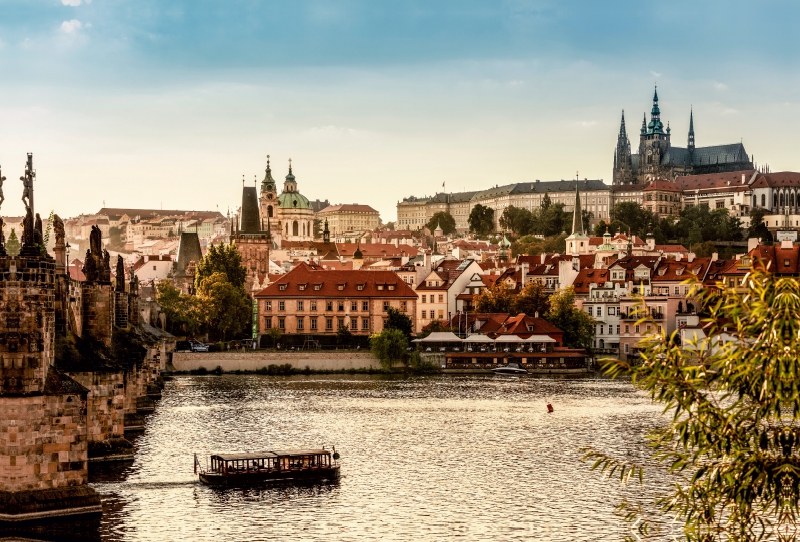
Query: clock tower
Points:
[268, 202]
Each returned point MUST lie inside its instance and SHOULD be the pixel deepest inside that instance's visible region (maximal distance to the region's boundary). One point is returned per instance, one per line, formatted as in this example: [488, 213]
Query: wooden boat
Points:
[266, 467]
[510, 369]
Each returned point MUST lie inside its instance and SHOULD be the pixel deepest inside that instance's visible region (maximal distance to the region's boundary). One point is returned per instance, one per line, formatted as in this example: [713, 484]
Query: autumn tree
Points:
[532, 300]
[225, 310]
[577, 325]
[221, 259]
[180, 310]
[498, 298]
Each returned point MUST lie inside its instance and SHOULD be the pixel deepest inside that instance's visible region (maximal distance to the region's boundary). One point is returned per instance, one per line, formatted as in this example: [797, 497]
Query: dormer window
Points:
[340, 287]
[359, 287]
[379, 286]
[786, 262]
[282, 287]
[301, 287]
[391, 287]
[318, 287]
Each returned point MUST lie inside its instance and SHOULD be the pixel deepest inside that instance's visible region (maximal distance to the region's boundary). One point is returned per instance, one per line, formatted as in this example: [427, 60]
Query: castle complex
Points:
[658, 159]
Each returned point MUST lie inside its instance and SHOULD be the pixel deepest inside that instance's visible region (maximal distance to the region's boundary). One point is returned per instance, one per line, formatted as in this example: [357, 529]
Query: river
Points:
[425, 458]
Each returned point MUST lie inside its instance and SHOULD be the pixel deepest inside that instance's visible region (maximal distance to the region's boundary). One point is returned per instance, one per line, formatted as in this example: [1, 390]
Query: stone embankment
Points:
[252, 361]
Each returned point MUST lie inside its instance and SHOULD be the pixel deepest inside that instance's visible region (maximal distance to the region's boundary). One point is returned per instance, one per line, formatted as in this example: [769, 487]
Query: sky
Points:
[149, 103]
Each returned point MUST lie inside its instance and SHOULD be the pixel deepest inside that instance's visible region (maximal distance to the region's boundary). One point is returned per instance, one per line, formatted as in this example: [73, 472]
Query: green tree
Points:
[586, 219]
[532, 300]
[634, 216]
[546, 202]
[731, 409]
[221, 259]
[180, 310]
[518, 220]
[481, 220]
[13, 245]
[554, 221]
[389, 346]
[530, 244]
[343, 335]
[398, 320]
[443, 219]
[498, 298]
[226, 311]
[275, 334]
[600, 228]
[577, 325]
[115, 238]
[757, 227]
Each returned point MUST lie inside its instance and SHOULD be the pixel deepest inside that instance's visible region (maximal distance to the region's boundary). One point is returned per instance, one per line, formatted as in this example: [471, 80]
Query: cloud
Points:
[720, 86]
[75, 3]
[73, 26]
[655, 74]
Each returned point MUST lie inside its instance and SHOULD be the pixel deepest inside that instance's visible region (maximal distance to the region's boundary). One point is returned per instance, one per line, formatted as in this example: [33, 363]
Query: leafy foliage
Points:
[757, 227]
[529, 244]
[221, 259]
[344, 336]
[389, 346]
[13, 246]
[398, 320]
[444, 220]
[532, 299]
[274, 333]
[733, 434]
[633, 217]
[498, 298]
[577, 325]
[481, 220]
[181, 310]
[224, 309]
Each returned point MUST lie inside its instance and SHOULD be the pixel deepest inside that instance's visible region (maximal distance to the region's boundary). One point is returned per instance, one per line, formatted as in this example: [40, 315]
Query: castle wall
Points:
[105, 403]
[98, 312]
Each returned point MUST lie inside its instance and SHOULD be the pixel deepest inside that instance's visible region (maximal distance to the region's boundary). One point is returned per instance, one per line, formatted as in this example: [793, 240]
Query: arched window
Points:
[755, 201]
[774, 200]
[791, 199]
[780, 199]
[269, 211]
[763, 200]
[295, 228]
[287, 229]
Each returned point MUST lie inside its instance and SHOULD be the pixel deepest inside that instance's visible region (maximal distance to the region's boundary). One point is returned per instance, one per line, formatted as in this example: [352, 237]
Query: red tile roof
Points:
[348, 208]
[662, 185]
[590, 276]
[304, 281]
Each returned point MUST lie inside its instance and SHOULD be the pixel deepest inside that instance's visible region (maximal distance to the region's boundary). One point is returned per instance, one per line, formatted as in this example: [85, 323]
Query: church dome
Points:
[293, 200]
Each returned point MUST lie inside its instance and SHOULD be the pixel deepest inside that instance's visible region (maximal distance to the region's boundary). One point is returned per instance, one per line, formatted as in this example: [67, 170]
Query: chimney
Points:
[542, 256]
[715, 257]
[524, 274]
[146, 258]
[396, 243]
[744, 180]
[787, 244]
[690, 257]
[678, 257]
[752, 243]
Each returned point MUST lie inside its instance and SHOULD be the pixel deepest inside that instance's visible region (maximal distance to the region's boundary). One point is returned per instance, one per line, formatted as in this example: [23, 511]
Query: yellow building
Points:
[349, 218]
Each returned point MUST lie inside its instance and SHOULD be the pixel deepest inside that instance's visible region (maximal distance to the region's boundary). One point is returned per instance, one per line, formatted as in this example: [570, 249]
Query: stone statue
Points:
[2, 235]
[2, 180]
[58, 230]
[105, 270]
[96, 241]
[89, 267]
[37, 229]
[134, 283]
[28, 235]
[27, 184]
[120, 275]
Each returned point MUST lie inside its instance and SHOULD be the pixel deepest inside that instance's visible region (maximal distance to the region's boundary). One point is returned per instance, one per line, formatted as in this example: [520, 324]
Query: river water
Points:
[425, 458]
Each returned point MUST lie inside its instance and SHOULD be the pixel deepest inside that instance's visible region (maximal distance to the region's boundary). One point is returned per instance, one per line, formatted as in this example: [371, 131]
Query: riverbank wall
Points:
[252, 361]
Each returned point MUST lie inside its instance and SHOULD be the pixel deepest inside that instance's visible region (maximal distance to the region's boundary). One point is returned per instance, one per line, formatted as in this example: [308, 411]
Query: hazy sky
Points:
[152, 103]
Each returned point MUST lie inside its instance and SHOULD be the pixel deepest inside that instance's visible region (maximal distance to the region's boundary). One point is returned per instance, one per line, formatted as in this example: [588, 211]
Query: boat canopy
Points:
[268, 455]
[440, 337]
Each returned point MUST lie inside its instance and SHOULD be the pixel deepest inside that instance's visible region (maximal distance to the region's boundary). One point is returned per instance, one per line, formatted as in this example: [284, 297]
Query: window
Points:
[441, 298]
[329, 323]
[379, 286]
[329, 305]
[354, 306]
[677, 290]
[403, 306]
[618, 330]
[786, 263]
[391, 287]
[354, 323]
[601, 329]
[636, 329]
[317, 287]
[299, 305]
[282, 287]
[359, 287]
[599, 311]
[268, 322]
[365, 324]
[627, 348]
[281, 306]
[340, 287]
[340, 306]
[313, 305]
[282, 323]
[301, 287]
[424, 298]
[611, 311]
[441, 314]
[385, 306]
[341, 323]
[300, 323]
[313, 323]
[365, 306]
[267, 306]
[424, 314]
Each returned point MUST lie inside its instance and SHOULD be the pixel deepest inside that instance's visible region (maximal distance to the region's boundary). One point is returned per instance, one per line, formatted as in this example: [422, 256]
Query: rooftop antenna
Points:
[242, 180]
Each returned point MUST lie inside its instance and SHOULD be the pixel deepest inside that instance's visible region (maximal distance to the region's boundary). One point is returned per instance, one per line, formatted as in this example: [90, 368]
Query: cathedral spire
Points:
[655, 126]
[690, 146]
[623, 134]
[577, 215]
[644, 124]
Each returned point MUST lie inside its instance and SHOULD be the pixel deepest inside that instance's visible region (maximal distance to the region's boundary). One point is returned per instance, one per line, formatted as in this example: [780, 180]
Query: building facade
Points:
[346, 218]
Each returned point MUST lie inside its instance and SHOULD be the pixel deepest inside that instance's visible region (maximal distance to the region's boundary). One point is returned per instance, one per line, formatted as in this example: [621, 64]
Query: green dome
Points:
[293, 200]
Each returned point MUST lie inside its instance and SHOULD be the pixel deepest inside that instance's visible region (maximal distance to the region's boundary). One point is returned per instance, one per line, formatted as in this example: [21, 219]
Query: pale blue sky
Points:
[144, 103]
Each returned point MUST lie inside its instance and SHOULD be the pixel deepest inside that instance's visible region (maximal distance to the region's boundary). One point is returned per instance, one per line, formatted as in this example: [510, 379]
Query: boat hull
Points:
[260, 478]
[508, 371]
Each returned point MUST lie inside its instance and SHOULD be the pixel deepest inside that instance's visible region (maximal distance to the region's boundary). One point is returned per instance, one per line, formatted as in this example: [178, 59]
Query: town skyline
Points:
[152, 107]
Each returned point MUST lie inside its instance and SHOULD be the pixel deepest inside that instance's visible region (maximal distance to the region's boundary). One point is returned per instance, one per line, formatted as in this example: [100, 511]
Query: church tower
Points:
[268, 201]
[690, 144]
[623, 165]
[653, 144]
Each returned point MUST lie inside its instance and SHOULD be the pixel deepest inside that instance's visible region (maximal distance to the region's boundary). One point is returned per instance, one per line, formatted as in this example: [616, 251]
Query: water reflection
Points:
[476, 458]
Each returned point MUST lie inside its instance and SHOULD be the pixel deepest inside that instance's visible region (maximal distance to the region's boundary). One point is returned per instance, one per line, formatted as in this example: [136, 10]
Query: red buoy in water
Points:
[549, 408]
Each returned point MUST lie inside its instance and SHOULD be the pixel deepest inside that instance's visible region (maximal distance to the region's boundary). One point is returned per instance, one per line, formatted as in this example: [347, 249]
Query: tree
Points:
[389, 346]
[586, 219]
[577, 325]
[221, 259]
[443, 219]
[498, 298]
[600, 228]
[274, 333]
[633, 216]
[343, 335]
[532, 300]
[757, 227]
[555, 221]
[180, 310]
[13, 245]
[518, 220]
[731, 415]
[226, 311]
[535, 245]
[115, 238]
[481, 220]
[398, 320]
[546, 202]
[318, 228]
